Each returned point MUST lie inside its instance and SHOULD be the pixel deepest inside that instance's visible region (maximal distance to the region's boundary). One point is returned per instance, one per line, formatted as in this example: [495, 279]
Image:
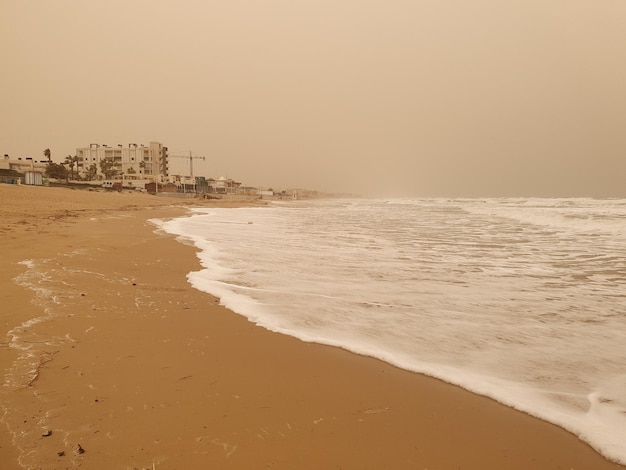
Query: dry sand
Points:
[139, 370]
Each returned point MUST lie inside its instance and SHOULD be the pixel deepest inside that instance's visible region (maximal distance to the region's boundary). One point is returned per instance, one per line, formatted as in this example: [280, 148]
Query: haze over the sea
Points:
[419, 98]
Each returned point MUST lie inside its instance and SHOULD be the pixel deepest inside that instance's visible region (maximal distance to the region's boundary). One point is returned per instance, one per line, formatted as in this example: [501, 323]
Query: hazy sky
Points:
[394, 97]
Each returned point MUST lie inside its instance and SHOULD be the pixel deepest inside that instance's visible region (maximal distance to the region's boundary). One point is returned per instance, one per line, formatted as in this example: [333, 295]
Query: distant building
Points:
[135, 162]
[32, 170]
[224, 186]
[22, 165]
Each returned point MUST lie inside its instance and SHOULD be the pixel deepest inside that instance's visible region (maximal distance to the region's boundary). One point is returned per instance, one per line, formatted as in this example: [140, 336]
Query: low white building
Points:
[23, 165]
[33, 170]
[224, 185]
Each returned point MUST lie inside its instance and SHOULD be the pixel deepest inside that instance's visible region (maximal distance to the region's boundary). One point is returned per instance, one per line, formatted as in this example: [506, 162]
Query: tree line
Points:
[65, 170]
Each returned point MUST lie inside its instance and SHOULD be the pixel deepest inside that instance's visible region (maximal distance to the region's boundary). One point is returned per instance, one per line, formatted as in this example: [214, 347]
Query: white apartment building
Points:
[135, 162]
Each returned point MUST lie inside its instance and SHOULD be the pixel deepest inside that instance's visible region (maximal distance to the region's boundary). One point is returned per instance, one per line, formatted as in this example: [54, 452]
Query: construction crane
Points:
[191, 159]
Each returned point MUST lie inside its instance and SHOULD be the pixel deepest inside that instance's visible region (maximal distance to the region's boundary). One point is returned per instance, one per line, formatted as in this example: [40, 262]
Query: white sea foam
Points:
[521, 300]
[45, 279]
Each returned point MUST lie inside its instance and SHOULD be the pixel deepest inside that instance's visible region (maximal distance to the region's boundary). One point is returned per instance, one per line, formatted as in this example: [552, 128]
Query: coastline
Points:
[142, 370]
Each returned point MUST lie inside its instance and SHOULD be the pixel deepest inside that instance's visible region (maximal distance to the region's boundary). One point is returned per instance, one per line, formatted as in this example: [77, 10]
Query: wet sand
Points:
[138, 370]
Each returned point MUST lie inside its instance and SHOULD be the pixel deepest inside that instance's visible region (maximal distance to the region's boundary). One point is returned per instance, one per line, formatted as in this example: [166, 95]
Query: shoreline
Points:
[140, 369]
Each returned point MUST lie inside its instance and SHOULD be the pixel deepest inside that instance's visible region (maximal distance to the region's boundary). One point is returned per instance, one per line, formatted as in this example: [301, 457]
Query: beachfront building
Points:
[13, 169]
[132, 163]
[22, 165]
[224, 185]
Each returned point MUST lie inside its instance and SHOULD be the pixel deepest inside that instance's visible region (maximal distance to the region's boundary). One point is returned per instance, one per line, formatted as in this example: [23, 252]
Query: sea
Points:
[522, 300]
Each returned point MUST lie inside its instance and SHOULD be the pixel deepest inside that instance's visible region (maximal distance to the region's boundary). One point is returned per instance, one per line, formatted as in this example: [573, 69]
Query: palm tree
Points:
[107, 166]
[69, 161]
[76, 160]
[92, 172]
[48, 155]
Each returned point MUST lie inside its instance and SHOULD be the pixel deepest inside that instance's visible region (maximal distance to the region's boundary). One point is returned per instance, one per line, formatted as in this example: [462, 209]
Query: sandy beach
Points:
[128, 367]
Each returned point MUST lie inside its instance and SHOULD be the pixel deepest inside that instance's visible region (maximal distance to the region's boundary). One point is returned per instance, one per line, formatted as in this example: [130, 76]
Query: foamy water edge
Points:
[610, 444]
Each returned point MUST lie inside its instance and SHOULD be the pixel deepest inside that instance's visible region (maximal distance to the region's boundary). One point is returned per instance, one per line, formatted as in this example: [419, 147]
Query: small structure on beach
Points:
[155, 187]
[34, 178]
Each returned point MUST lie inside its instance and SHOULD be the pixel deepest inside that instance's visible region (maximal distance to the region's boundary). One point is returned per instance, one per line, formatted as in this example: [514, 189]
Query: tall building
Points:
[132, 162]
